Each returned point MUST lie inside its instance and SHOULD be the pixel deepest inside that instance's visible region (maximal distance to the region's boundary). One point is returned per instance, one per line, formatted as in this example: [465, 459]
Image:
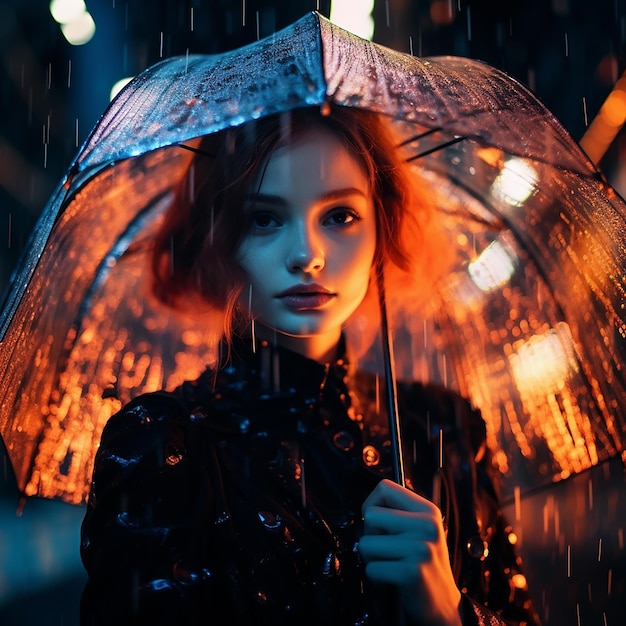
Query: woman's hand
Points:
[404, 545]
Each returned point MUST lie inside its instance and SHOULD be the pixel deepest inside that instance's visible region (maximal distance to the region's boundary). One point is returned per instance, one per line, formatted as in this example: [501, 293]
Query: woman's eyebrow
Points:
[265, 198]
[339, 194]
[330, 196]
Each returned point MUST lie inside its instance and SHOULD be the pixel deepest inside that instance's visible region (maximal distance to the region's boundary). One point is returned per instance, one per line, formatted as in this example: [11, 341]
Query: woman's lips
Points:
[304, 297]
[304, 301]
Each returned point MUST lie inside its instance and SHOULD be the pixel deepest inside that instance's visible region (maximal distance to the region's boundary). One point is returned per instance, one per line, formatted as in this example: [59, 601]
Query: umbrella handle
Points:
[390, 383]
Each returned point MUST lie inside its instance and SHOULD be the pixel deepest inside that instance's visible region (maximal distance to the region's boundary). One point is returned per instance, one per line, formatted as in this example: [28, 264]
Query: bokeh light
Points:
[354, 15]
[80, 30]
[66, 11]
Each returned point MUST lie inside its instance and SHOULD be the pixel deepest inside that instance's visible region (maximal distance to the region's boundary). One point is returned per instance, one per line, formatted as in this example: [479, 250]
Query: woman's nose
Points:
[306, 254]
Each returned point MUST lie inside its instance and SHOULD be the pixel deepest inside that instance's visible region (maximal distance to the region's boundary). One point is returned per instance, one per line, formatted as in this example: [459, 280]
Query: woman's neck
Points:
[321, 348]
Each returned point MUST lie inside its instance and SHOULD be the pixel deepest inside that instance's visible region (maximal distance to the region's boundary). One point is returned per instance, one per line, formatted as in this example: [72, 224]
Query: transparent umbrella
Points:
[528, 322]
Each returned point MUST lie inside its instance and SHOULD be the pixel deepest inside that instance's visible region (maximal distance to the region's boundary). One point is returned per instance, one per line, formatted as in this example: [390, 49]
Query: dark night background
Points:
[569, 52]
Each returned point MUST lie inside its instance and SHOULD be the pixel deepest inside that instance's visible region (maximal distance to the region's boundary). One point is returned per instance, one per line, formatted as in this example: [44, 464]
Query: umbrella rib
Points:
[435, 148]
[418, 137]
[119, 248]
[196, 150]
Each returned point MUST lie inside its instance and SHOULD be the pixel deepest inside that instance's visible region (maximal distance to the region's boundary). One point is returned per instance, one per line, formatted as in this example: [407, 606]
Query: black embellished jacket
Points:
[237, 500]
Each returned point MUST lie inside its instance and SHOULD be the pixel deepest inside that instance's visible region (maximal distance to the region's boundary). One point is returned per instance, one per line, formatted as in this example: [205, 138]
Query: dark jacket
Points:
[237, 499]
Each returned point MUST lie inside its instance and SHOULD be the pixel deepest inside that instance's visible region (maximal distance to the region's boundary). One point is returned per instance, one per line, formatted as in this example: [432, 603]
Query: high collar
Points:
[267, 386]
[274, 370]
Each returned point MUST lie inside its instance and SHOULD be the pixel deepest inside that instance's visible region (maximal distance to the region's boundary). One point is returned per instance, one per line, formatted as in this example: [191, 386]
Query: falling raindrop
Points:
[437, 489]
[276, 370]
[252, 324]
[440, 448]
[377, 392]
[569, 560]
[302, 485]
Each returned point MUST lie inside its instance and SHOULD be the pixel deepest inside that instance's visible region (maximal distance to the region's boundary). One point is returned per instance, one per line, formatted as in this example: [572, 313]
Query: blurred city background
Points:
[57, 76]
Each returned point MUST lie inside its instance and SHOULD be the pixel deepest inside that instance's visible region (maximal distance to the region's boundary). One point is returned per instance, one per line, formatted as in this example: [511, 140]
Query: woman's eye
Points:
[263, 220]
[342, 217]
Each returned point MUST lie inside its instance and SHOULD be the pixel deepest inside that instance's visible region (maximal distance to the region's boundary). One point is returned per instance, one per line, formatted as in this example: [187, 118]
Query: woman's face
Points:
[309, 243]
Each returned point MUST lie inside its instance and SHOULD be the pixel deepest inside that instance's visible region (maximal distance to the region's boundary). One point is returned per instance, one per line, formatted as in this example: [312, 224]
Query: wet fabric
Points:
[237, 499]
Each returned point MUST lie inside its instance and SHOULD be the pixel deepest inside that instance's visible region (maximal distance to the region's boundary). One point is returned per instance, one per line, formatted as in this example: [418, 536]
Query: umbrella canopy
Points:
[529, 323]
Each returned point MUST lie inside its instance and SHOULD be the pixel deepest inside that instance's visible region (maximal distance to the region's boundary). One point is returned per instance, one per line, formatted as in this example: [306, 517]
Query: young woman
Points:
[259, 494]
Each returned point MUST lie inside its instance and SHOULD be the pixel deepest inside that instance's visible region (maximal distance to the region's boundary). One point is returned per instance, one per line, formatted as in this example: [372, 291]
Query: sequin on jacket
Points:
[236, 500]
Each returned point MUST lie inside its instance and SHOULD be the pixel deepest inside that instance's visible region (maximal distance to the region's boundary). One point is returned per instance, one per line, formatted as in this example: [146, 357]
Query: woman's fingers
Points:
[391, 495]
[391, 548]
[381, 520]
[392, 509]
[404, 545]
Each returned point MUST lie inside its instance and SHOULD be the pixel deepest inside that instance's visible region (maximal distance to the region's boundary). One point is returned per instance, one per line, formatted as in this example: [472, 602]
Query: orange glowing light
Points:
[614, 108]
[442, 12]
[519, 581]
[605, 126]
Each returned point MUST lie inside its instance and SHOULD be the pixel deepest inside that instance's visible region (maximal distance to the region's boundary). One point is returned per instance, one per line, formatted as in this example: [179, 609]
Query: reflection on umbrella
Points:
[529, 323]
